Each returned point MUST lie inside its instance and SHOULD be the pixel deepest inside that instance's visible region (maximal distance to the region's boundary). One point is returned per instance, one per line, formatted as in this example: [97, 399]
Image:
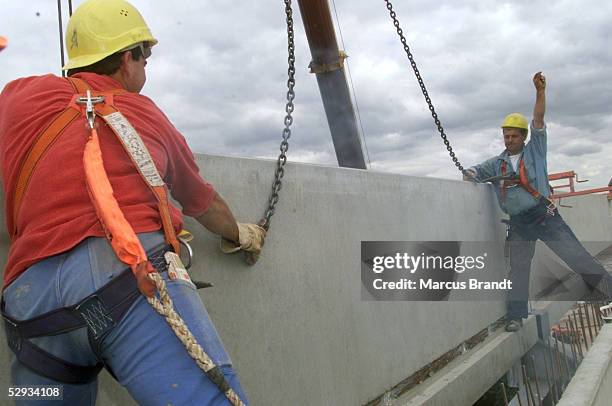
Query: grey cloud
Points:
[219, 73]
[576, 150]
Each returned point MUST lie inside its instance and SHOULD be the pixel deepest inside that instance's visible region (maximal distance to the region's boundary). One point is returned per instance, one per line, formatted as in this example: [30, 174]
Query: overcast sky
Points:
[219, 73]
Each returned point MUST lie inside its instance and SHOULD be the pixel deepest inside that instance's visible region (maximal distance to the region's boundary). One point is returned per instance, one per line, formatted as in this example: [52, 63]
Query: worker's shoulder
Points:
[34, 95]
[137, 98]
[493, 160]
[138, 103]
[35, 84]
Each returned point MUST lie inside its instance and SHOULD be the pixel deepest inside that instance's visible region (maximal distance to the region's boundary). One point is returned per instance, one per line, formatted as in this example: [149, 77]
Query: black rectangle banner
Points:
[462, 270]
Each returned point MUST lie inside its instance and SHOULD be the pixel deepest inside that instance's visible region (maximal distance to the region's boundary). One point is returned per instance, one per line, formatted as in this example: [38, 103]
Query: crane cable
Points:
[61, 34]
[350, 76]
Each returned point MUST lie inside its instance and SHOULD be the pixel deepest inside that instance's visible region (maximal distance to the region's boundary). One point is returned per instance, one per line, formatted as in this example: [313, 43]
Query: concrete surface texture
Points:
[592, 383]
[294, 324]
[466, 378]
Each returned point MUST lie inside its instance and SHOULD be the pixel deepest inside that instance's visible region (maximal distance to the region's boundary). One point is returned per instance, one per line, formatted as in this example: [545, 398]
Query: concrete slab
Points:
[295, 324]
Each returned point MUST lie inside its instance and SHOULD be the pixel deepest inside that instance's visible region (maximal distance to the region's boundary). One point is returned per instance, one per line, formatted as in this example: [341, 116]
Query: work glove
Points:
[250, 239]
[469, 175]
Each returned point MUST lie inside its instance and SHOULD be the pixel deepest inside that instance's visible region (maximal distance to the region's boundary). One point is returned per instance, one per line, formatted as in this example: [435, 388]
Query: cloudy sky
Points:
[219, 73]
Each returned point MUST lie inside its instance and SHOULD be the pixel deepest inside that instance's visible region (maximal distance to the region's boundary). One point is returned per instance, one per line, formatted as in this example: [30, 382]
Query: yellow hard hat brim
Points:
[87, 60]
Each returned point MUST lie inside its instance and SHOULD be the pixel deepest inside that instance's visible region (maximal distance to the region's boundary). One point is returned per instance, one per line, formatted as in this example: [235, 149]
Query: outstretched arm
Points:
[220, 220]
[234, 236]
[539, 81]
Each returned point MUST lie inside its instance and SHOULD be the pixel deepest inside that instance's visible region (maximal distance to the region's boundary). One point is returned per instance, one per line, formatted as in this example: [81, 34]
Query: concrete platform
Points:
[592, 383]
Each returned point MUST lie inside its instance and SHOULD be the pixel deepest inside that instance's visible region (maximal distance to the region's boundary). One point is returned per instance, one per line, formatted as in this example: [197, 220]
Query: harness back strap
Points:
[41, 145]
[117, 123]
[523, 181]
[140, 156]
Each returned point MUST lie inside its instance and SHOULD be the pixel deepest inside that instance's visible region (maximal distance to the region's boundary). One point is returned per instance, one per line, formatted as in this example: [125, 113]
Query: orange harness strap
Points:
[523, 181]
[39, 147]
[106, 111]
[51, 133]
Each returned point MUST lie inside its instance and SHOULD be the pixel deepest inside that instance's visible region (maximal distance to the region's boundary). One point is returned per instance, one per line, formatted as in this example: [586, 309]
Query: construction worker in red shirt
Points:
[75, 286]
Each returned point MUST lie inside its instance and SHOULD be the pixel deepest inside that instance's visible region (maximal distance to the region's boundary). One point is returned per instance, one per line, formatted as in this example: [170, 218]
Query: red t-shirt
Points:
[56, 212]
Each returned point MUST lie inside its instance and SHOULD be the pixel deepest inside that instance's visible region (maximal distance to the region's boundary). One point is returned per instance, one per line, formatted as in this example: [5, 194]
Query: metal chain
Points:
[61, 35]
[422, 85]
[289, 107]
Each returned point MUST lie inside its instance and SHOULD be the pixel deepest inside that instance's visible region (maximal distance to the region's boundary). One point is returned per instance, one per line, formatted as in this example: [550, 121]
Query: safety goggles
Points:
[145, 48]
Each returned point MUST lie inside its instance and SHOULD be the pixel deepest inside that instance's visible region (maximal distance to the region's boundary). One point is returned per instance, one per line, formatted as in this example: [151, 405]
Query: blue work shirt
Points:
[534, 154]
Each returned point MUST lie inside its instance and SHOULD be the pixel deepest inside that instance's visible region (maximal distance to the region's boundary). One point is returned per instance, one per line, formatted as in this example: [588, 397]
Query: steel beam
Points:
[328, 65]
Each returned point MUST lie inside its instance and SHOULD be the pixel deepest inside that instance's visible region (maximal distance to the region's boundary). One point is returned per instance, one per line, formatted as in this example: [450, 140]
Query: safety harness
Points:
[102, 310]
[99, 312]
[523, 181]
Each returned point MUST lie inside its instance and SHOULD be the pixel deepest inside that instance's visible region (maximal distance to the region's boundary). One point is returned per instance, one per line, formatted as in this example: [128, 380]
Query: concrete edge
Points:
[464, 380]
[593, 374]
[468, 377]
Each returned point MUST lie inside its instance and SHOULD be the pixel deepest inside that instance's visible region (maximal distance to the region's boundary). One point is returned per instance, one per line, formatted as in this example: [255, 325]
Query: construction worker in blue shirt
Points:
[520, 177]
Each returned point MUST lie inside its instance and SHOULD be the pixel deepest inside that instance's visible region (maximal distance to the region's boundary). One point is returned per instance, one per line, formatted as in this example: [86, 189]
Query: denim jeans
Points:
[142, 351]
[557, 235]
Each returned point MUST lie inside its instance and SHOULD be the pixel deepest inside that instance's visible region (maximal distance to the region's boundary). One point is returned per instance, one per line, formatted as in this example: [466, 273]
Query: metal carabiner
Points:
[507, 239]
[189, 251]
[89, 102]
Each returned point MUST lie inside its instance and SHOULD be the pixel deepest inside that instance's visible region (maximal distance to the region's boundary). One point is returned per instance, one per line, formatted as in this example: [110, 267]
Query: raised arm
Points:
[539, 81]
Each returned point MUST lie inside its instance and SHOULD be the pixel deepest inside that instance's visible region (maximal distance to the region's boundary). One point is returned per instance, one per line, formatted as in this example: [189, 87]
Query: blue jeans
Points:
[557, 235]
[142, 351]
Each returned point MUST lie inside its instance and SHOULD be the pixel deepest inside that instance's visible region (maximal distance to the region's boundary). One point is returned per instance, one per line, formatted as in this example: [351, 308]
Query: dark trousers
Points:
[557, 235]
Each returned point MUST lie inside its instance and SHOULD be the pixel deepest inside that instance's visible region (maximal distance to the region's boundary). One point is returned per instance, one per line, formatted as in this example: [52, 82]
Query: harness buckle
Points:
[189, 252]
[550, 208]
[96, 315]
[89, 102]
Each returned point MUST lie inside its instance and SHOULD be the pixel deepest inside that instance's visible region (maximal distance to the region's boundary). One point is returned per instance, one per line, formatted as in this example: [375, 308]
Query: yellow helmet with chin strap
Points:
[515, 120]
[99, 28]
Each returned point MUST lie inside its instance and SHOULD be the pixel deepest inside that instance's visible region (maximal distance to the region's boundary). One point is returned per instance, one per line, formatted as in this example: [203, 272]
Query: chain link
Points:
[422, 85]
[289, 107]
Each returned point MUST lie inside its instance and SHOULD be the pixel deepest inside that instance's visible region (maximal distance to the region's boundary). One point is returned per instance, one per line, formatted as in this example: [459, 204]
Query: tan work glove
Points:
[251, 240]
[469, 175]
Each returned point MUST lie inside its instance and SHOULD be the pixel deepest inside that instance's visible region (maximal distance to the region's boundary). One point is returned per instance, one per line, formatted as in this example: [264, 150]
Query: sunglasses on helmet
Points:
[145, 48]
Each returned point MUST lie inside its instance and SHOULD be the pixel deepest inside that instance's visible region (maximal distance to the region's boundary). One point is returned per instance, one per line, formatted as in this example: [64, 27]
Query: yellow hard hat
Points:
[99, 28]
[515, 120]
